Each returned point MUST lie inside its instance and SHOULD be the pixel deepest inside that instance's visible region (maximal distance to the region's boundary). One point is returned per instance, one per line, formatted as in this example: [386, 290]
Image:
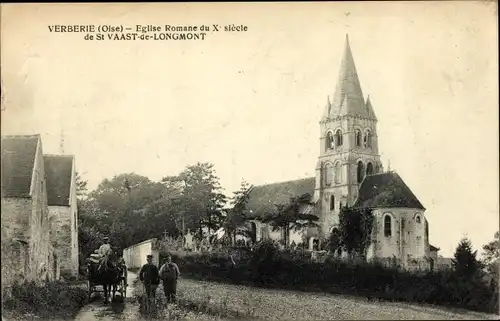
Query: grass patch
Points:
[49, 300]
[188, 306]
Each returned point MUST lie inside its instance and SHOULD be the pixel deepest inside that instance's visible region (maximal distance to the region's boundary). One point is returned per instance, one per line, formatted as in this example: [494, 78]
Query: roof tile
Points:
[18, 161]
[386, 190]
[58, 170]
[262, 199]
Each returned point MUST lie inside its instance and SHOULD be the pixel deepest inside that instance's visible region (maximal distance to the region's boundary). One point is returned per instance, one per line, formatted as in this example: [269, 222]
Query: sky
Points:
[250, 102]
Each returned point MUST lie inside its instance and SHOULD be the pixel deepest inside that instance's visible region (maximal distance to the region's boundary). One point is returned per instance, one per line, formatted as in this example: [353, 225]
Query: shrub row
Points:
[48, 300]
[269, 267]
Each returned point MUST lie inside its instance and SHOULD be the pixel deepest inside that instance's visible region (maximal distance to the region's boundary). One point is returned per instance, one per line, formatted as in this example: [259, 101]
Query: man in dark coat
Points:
[149, 275]
[169, 273]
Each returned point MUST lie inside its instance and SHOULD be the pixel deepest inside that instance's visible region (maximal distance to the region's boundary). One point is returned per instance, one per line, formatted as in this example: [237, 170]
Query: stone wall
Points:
[74, 224]
[15, 217]
[39, 241]
[61, 237]
[65, 234]
[135, 255]
[407, 239]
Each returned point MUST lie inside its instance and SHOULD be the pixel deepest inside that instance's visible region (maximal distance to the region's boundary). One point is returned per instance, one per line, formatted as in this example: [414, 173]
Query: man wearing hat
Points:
[105, 249]
[150, 276]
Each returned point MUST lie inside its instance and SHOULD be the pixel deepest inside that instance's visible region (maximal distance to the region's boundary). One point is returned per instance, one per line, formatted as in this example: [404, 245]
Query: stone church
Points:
[349, 172]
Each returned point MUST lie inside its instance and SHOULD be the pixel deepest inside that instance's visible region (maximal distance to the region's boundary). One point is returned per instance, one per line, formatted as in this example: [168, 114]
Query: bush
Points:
[50, 299]
[270, 267]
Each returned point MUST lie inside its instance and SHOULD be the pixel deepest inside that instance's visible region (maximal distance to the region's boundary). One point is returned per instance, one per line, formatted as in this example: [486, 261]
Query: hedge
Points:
[54, 299]
[269, 267]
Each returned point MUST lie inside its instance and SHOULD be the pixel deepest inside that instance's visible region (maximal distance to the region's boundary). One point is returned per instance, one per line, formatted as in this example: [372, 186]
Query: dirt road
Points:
[127, 310]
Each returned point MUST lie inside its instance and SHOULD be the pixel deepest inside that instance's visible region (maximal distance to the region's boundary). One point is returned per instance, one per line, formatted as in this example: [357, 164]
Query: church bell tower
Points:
[348, 145]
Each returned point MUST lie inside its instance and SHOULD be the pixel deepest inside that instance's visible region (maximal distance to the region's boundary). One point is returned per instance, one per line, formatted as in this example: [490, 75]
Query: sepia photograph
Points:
[326, 160]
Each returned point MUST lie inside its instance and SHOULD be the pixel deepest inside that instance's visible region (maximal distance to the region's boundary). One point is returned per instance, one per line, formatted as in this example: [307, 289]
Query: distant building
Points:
[26, 249]
[61, 197]
[433, 255]
[349, 172]
[135, 255]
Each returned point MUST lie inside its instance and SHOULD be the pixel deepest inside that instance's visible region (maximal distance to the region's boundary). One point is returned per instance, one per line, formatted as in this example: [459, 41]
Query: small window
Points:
[369, 169]
[357, 137]
[332, 202]
[337, 173]
[340, 205]
[418, 219]
[329, 141]
[360, 172]
[387, 226]
[328, 174]
[368, 139]
[338, 137]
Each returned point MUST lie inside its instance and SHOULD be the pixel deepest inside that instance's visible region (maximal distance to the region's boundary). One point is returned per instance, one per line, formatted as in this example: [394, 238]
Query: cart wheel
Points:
[123, 289]
[89, 290]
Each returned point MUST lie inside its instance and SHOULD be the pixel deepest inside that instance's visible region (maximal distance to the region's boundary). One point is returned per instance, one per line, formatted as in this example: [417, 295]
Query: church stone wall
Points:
[407, 240]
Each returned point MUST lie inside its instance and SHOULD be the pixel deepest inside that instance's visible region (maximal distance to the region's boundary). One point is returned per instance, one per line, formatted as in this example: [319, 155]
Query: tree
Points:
[335, 240]
[81, 186]
[355, 227]
[201, 196]
[492, 256]
[130, 208]
[237, 215]
[465, 263]
[291, 216]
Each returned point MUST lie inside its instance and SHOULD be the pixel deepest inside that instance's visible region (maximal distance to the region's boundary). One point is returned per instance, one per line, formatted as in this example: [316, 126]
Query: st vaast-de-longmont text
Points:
[146, 32]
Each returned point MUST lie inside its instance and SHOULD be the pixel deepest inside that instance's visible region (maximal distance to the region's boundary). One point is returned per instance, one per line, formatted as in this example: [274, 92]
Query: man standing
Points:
[169, 273]
[123, 269]
[150, 277]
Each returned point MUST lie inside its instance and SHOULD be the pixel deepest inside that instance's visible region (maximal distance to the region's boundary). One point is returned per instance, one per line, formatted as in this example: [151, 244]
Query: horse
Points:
[108, 274]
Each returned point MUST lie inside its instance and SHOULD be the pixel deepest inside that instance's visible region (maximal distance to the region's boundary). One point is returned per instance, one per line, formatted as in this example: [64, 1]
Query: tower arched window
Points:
[338, 173]
[387, 226]
[360, 172]
[418, 219]
[357, 137]
[328, 174]
[338, 137]
[368, 139]
[332, 202]
[369, 169]
[329, 141]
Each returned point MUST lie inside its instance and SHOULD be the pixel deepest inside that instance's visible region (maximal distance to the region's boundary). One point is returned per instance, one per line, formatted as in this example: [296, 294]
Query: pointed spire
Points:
[328, 108]
[348, 98]
[369, 108]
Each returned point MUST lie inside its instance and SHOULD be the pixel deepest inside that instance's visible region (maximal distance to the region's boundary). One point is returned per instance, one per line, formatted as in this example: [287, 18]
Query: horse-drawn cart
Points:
[101, 280]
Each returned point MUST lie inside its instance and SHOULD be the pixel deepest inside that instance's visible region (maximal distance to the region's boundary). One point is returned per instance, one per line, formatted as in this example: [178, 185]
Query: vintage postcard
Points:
[281, 161]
